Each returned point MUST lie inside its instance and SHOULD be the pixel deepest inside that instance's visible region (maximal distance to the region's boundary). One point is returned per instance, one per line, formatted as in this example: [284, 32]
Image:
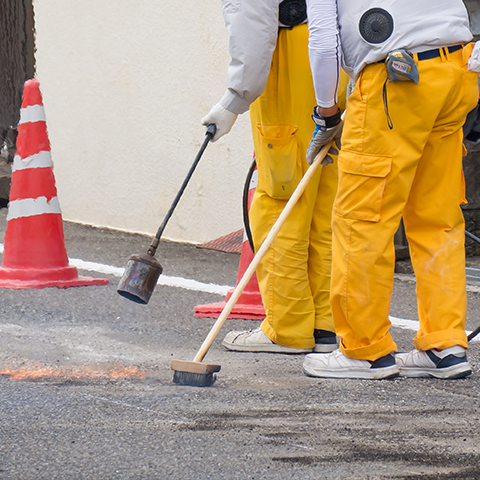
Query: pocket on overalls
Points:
[361, 185]
[278, 159]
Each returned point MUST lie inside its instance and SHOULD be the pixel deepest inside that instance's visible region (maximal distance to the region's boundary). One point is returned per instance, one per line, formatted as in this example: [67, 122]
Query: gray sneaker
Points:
[449, 363]
[256, 341]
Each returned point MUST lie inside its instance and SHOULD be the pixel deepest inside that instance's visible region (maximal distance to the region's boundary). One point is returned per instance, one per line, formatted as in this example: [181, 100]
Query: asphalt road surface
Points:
[86, 389]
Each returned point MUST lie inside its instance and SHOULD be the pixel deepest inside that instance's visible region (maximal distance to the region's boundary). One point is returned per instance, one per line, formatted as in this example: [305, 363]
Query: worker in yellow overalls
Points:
[270, 75]
[401, 155]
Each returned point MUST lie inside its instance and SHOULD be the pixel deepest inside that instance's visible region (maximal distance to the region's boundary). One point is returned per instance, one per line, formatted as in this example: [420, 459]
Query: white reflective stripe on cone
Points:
[39, 160]
[32, 113]
[29, 207]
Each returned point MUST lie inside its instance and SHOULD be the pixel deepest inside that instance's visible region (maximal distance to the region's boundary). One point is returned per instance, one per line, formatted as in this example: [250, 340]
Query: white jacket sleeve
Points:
[324, 50]
[253, 29]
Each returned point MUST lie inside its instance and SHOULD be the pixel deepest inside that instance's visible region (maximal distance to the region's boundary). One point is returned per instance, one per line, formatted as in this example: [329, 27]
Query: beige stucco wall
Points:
[125, 84]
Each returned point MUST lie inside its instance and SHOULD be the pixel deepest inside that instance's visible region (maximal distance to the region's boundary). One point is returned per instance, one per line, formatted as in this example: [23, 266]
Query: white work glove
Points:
[473, 64]
[326, 130]
[222, 118]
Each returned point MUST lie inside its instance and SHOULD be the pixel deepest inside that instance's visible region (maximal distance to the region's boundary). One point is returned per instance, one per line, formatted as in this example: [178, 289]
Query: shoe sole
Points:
[448, 373]
[370, 374]
[273, 348]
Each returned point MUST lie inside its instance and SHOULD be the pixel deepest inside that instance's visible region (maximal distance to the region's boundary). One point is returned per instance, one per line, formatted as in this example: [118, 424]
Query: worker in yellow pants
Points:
[294, 276]
[422, 179]
[401, 155]
[270, 75]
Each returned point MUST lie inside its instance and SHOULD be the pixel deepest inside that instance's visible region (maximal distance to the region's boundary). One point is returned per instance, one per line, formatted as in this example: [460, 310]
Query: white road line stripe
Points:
[206, 287]
[163, 280]
[403, 323]
[32, 113]
[166, 280]
[415, 325]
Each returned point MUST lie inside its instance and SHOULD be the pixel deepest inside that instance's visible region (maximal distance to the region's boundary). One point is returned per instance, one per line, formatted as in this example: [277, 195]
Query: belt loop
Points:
[443, 54]
[448, 55]
[415, 57]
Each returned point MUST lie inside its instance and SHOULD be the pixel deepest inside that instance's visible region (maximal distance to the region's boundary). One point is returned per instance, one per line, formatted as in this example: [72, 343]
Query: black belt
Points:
[433, 53]
[436, 53]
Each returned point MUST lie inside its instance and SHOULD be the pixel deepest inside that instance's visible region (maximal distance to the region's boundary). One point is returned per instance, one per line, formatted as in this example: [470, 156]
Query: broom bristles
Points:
[194, 379]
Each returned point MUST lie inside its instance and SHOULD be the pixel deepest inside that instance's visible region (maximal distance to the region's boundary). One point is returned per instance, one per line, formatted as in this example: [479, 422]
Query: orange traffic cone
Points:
[249, 306]
[34, 252]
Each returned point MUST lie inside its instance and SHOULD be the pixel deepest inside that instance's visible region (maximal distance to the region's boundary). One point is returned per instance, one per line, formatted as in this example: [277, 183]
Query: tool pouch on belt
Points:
[278, 159]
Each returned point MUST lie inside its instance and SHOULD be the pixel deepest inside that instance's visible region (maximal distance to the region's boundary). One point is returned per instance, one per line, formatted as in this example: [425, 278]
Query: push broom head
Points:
[194, 374]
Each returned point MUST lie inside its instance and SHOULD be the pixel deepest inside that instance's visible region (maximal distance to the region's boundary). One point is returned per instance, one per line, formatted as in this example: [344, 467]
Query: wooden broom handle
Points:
[261, 253]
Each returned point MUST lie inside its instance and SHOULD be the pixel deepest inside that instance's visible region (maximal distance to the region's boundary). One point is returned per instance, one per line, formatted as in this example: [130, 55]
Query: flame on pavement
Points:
[43, 373]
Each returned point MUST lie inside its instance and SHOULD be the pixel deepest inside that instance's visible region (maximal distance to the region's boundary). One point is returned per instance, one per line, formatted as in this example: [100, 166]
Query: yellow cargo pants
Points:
[294, 275]
[414, 170]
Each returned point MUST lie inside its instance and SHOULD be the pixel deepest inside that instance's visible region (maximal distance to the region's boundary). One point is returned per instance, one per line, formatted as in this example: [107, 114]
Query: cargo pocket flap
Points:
[277, 133]
[365, 164]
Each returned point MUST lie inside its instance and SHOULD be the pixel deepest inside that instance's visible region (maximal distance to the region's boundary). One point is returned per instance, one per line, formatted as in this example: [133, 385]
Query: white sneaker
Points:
[337, 365]
[256, 341]
[448, 363]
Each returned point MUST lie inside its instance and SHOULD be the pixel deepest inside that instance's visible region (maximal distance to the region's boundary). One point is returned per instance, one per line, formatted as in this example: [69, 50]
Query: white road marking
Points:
[166, 280]
[405, 324]
[214, 288]
[415, 325]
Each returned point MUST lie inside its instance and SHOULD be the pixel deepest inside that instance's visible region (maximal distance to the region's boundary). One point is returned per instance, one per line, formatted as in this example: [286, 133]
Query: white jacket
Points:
[419, 25]
[253, 29]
